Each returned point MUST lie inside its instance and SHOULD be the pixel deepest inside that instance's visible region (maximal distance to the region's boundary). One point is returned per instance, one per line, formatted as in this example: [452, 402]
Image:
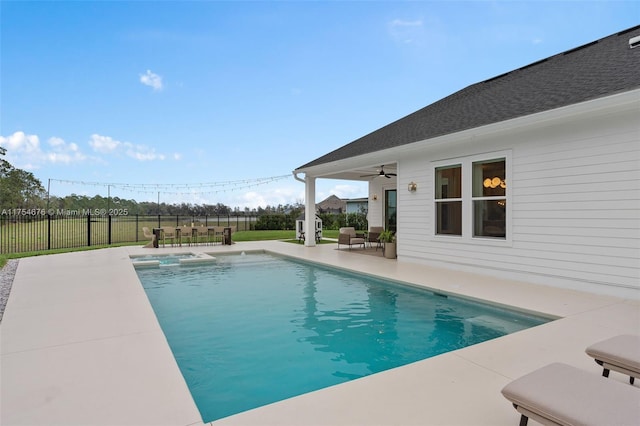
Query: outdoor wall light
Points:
[375, 197]
[412, 186]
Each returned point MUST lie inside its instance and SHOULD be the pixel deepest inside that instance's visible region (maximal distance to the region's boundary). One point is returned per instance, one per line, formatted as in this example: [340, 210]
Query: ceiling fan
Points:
[381, 172]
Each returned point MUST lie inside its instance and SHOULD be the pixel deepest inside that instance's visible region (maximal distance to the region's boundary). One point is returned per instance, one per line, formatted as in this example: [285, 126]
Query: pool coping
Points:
[89, 350]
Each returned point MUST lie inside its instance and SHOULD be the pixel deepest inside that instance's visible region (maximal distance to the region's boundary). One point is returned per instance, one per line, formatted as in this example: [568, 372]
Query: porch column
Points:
[310, 211]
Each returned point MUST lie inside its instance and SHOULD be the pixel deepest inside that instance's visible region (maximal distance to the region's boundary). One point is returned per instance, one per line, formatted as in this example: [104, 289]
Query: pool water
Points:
[254, 329]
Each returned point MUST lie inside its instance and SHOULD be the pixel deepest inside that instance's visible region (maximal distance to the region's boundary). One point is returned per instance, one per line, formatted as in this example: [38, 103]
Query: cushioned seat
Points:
[348, 236]
[619, 353]
[559, 394]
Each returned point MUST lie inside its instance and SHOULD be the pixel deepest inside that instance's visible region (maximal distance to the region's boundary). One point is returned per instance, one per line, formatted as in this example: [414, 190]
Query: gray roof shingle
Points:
[597, 69]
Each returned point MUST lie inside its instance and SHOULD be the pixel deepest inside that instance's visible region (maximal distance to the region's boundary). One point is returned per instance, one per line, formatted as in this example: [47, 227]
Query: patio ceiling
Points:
[358, 173]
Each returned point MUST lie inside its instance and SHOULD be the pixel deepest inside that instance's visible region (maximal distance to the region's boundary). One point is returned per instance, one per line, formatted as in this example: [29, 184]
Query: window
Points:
[390, 209]
[471, 198]
[449, 200]
[489, 198]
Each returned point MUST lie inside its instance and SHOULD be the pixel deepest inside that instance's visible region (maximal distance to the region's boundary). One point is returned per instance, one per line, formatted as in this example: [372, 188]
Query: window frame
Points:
[467, 199]
[447, 200]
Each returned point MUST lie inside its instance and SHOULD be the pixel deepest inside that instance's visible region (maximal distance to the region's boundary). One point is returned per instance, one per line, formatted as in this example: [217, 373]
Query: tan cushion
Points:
[619, 353]
[568, 396]
[351, 231]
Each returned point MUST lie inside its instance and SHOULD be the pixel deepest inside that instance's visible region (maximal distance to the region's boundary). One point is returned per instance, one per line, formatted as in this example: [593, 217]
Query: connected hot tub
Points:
[170, 259]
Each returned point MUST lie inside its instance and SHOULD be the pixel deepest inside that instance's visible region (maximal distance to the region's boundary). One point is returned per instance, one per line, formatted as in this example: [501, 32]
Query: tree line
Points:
[20, 189]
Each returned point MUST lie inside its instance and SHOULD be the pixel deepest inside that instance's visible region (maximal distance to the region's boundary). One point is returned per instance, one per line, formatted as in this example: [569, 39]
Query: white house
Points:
[532, 175]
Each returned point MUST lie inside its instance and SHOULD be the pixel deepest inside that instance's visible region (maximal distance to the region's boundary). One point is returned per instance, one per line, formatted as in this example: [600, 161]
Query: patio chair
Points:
[168, 233]
[348, 236]
[619, 353]
[185, 234]
[201, 234]
[559, 394]
[217, 234]
[374, 233]
[149, 235]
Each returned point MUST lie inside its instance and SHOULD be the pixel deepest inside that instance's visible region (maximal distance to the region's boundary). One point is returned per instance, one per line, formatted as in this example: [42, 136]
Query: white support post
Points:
[310, 211]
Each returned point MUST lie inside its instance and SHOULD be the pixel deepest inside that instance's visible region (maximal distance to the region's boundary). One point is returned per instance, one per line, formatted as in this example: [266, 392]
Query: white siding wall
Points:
[377, 187]
[574, 195]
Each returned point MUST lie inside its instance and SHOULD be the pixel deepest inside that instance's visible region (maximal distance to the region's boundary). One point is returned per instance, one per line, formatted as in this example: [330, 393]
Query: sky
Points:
[208, 102]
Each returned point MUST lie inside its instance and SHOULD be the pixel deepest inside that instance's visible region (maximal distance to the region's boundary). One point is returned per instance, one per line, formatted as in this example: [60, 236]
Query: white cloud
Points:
[20, 143]
[103, 144]
[108, 145]
[63, 152]
[405, 31]
[152, 80]
[142, 152]
[25, 152]
[399, 23]
[267, 196]
[346, 191]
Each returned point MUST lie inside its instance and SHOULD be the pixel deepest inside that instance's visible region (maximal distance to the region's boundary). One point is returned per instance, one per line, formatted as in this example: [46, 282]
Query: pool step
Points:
[495, 323]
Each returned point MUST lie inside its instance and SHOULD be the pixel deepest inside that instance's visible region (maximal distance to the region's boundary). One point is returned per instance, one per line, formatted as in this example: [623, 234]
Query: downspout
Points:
[299, 179]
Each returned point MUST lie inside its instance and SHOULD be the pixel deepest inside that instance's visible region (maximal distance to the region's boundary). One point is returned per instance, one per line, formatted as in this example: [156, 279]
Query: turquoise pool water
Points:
[253, 329]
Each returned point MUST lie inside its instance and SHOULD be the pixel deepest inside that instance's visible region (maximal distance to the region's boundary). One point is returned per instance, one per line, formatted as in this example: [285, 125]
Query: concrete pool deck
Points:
[80, 345]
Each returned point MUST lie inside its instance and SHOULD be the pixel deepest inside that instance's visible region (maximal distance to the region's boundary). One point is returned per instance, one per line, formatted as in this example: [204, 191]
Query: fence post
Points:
[109, 229]
[89, 230]
[48, 231]
[137, 228]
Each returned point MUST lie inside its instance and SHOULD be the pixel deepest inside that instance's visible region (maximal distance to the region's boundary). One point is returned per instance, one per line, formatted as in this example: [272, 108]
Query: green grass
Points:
[262, 235]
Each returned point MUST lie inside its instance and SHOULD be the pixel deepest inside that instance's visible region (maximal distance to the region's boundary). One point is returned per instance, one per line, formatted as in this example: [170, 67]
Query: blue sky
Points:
[226, 98]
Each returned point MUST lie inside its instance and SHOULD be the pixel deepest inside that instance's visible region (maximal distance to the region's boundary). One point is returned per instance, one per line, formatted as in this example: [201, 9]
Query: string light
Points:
[173, 188]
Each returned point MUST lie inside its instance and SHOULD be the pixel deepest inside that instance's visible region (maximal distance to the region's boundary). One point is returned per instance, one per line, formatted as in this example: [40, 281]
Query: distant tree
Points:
[19, 189]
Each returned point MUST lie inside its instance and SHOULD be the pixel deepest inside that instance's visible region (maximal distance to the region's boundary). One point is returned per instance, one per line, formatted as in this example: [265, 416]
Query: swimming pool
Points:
[254, 329]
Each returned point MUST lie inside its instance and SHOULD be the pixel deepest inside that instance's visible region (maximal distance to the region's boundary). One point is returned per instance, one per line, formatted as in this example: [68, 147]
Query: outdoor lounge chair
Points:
[619, 353]
[348, 236]
[559, 394]
[374, 234]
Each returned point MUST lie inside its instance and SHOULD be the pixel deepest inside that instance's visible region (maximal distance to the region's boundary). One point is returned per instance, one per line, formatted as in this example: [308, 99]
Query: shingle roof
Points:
[597, 69]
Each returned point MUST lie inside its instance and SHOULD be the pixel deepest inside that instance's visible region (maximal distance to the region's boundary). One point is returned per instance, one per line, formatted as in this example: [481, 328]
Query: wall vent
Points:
[634, 42]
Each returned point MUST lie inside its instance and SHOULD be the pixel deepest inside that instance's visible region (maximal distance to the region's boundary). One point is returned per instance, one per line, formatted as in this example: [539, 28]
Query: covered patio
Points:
[382, 183]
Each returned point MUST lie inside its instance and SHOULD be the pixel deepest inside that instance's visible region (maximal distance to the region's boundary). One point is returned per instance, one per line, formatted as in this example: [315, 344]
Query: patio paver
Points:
[81, 346]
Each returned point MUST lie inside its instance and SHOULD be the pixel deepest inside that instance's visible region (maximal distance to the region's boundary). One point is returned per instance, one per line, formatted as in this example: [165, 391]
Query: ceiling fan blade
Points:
[381, 172]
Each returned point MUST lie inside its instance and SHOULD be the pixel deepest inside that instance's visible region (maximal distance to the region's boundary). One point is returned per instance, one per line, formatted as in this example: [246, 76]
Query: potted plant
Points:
[388, 240]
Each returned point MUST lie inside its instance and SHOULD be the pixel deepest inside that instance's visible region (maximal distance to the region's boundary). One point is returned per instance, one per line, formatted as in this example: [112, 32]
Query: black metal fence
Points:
[28, 232]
